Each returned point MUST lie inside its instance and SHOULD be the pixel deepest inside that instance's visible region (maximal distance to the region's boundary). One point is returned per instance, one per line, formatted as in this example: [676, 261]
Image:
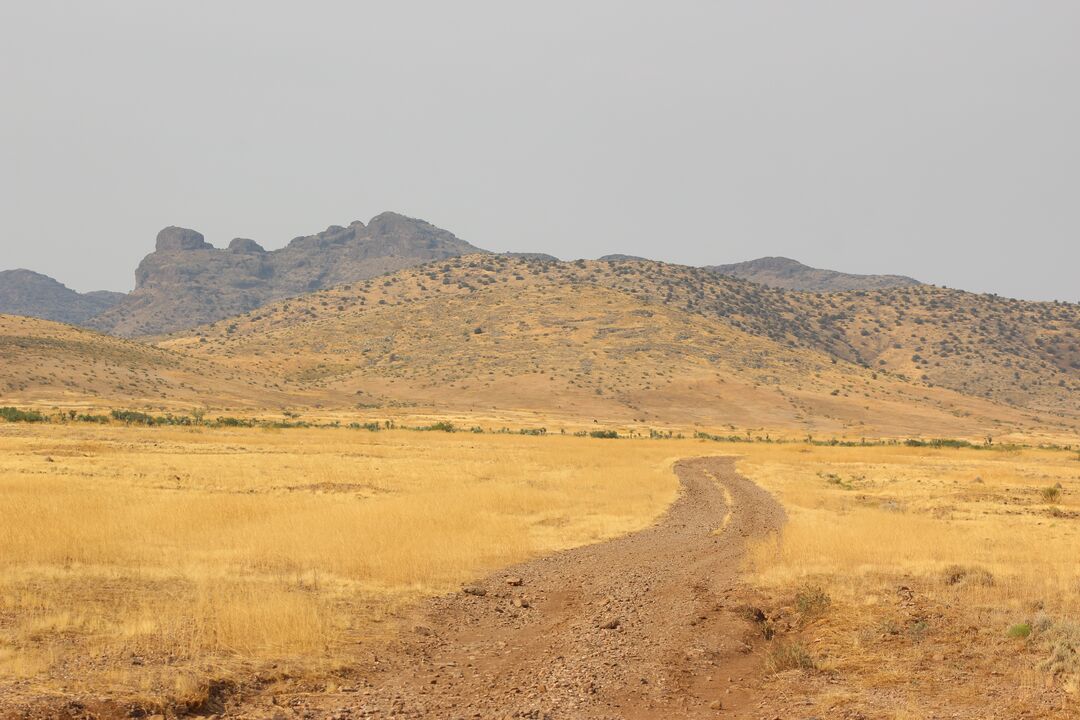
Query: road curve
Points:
[644, 626]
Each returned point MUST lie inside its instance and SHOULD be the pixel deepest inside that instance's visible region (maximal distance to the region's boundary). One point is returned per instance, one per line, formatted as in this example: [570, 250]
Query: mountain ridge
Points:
[487, 329]
[187, 281]
[32, 294]
[782, 272]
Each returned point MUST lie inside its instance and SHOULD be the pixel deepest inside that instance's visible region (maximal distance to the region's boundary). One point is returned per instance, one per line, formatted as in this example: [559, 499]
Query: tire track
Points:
[643, 626]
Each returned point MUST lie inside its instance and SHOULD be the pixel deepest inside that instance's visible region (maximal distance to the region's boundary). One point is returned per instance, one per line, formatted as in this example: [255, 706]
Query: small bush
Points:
[812, 600]
[961, 575]
[132, 417]
[1020, 630]
[1063, 642]
[232, 422]
[605, 434]
[789, 656]
[1050, 494]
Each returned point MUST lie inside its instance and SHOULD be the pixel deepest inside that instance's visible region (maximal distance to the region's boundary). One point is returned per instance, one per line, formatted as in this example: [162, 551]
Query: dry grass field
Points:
[952, 580]
[144, 562]
[141, 562]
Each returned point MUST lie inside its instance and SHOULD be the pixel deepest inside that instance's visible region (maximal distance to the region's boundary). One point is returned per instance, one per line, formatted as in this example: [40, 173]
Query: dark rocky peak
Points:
[391, 223]
[245, 246]
[182, 285]
[178, 239]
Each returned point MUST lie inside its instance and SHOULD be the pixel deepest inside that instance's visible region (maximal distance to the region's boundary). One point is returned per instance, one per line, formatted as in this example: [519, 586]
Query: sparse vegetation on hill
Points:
[63, 365]
[642, 339]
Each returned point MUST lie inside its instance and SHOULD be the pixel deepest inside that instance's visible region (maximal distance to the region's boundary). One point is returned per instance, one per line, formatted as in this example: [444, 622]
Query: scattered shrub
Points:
[788, 656]
[918, 629]
[1051, 494]
[441, 426]
[15, 415]
[1020, 630]
[606, 434]
[132, 417]
[1063, 642]
[812, 600]
[961, 575]
[369, 426]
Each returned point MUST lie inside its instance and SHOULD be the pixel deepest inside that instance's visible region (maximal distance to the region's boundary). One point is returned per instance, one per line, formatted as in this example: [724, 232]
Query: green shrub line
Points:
[198, 418]
[15, 415]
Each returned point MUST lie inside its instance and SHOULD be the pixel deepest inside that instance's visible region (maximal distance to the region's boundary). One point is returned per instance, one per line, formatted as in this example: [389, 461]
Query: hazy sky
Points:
[934, 138]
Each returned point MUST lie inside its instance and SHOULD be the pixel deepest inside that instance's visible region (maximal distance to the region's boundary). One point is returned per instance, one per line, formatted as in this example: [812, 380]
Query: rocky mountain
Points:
[31, 294]
[782, 272]
[187, 281]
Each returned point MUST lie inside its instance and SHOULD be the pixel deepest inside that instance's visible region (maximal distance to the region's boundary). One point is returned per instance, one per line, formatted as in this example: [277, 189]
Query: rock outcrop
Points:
[187, 282]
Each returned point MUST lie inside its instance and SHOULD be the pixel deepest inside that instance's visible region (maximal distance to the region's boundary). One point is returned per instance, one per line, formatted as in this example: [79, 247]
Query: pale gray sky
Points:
[932, 138]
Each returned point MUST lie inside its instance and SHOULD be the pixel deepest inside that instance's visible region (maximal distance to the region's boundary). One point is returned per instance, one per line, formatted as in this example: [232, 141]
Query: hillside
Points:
[635, 341]
[781, 272]
[186, 281]
[47, 363]
[31, 294]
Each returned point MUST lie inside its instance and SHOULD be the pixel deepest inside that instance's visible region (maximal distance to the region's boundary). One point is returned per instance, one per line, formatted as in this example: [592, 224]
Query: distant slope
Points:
[620, 257]
[186, 281]
[781, 272]
[640, 341]
[49, 363]
[25, 292]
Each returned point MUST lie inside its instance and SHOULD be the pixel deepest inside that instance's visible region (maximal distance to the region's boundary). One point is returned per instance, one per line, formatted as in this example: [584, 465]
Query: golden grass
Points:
[865, 523]
[141, 561]
[189, 547]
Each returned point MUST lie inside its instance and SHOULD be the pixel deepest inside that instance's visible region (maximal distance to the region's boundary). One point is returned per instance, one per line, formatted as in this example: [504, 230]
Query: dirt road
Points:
[644, 626]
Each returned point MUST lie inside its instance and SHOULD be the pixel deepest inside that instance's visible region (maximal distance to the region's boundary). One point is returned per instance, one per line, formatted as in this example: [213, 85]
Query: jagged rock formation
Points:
[186, 281]
[791, 274]
[31, 294]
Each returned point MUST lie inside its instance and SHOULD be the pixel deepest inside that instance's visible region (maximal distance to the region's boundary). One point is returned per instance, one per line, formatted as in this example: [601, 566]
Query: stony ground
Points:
[650, 625]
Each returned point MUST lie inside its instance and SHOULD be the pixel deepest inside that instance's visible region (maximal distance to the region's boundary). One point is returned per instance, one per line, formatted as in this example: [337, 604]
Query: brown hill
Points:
[47, 363]
[25, 292]
[791, 274]
[186, 281]
[631, 341]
